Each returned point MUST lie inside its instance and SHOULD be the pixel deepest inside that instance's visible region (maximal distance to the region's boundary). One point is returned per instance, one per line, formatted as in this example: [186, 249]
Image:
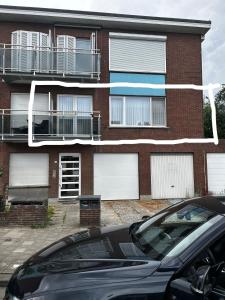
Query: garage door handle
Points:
[172, 186]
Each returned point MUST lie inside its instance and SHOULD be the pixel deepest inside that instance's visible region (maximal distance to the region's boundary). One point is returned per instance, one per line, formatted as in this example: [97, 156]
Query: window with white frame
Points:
[75, 113]
[137, 111]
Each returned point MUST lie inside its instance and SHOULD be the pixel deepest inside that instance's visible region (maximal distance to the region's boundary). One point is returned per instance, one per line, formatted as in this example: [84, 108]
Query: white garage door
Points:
[172, 176]
[116, 176]
[26, 169]
[216, 173]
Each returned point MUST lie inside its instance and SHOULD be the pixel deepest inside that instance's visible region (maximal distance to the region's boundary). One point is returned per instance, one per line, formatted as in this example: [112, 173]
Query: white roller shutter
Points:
[216, 173]
[19, 101]
[28, 169]
[116, 176]
[19, 106]
[137, 55]
[172, 176]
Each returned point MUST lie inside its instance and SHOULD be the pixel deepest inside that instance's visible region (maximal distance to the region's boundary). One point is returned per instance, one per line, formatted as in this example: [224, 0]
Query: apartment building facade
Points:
[72, 46]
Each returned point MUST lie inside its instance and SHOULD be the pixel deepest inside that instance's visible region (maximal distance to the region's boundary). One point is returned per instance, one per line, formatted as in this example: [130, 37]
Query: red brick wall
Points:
[184, 111]
[25, 215]
[184, 108]
[144, 151]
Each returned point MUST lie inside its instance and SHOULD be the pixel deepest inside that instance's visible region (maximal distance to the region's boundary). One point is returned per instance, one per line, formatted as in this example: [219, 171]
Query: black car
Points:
[178, 253]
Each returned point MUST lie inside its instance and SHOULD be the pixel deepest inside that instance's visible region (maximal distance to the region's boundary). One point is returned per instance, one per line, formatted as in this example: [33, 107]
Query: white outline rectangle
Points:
[208, 88]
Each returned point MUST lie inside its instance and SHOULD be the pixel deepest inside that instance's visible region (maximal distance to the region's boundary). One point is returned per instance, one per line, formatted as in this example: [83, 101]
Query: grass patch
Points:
[64, 218]
[50, 214]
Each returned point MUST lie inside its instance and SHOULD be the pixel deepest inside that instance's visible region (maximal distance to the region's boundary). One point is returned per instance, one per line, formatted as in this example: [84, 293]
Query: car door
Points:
[212, 261]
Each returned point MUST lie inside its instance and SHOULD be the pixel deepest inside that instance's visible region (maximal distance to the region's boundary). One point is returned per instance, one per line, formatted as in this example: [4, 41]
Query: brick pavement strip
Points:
[18, 243]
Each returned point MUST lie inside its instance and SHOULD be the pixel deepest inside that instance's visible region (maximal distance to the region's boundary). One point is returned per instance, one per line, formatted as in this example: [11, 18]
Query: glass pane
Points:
[84, 105]
[69, 193]
[160, 234]
[158, 111]
[83, 56]
[82, 43]
[65, 122]
[70, 165]
[137, 111]
[69, 158]
[65, 103]
[70, 179]
[116, 110]
[70, 186]
[70, 172]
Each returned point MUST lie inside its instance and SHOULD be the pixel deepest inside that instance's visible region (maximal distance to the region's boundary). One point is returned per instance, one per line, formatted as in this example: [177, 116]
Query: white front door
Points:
[69, 175]
[172, 176]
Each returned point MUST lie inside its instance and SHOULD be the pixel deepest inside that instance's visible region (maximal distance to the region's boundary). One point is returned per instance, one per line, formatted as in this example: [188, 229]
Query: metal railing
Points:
[49, 60]
[49, 125]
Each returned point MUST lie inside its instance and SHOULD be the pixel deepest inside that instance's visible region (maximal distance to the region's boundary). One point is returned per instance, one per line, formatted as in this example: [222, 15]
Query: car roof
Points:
[212, 203]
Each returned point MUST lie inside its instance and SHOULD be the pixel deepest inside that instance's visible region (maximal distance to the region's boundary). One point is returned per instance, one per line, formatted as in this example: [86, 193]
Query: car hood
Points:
[96, 255]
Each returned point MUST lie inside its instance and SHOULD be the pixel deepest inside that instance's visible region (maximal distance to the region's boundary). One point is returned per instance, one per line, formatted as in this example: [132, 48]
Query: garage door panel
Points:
[26, 169]
[120, 164]
[172, 176]
[216, 173]
[116, 176]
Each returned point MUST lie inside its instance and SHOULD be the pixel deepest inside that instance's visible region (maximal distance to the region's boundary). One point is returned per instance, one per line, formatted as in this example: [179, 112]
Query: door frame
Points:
[60, 173]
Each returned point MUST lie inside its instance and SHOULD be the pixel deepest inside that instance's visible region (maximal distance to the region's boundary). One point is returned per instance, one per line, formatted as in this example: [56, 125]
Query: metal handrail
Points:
[96, 112]
[49, 60]
[50, 124]
[34, 47]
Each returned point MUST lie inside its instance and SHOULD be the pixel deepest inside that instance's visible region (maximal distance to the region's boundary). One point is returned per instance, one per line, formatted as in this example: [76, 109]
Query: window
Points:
[74, 54]
[137, 53]
[19, 112]
[137, 111]
[168, 234]
[70, 122]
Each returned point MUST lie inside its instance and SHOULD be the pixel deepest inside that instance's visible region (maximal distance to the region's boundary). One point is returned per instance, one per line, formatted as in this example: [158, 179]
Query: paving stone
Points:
[27, 243]
[19, 250]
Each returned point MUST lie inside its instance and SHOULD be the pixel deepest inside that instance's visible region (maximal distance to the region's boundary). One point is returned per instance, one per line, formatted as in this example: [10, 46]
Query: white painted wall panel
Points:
[27, 169]
[216, 173]
[116, 176]
[172, 176]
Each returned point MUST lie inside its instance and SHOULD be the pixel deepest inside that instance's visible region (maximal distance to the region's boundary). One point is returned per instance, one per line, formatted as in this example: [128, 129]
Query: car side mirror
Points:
[145, 218]
[201, 283]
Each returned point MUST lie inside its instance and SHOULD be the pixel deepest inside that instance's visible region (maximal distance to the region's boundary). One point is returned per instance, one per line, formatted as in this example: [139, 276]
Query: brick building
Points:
[74, 46]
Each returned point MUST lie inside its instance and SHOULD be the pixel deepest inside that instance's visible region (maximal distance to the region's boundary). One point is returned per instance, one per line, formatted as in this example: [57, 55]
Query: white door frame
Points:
[60, 174]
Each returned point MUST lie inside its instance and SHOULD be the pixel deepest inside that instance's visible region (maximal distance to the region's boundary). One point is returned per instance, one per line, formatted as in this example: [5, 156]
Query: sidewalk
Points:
[18, 243]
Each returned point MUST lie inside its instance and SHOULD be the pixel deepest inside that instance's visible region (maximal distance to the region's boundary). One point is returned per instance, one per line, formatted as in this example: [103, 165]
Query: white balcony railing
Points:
[47, 125]
[52, 61]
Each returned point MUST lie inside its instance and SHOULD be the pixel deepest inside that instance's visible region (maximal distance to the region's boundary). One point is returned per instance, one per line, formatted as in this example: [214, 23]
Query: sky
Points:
[213, 48]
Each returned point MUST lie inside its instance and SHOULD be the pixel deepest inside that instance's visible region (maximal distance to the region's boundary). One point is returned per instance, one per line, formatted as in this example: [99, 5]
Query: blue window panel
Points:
[137, 78]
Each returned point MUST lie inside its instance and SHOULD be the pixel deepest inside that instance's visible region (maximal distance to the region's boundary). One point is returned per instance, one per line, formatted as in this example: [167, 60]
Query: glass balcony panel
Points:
[55, 125]
[52, 61]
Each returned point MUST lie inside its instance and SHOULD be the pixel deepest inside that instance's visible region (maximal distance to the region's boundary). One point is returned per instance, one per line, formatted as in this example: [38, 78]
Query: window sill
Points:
[139, 127]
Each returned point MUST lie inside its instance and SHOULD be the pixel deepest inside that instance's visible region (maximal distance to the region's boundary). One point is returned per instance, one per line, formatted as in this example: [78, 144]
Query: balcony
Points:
[49, 125]
[20, 64]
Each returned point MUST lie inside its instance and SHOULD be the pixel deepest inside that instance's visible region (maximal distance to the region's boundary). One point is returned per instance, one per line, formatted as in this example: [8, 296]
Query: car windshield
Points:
[161, 234]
